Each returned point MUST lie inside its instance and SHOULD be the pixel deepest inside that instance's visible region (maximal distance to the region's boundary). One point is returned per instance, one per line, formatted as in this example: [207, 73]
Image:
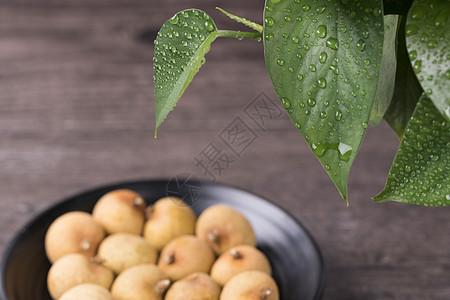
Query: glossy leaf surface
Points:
[427, 39]
[407, 89]
[386, 78]
[180, 48]
[420, 173]
[323, 58]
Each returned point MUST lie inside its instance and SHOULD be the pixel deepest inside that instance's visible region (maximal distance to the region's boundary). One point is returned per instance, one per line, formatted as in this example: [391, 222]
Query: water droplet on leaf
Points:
[361, 45]
[322, 83]
[311, 102]
[286, 102]
[321, 31]
[332, 43]
[269, 21]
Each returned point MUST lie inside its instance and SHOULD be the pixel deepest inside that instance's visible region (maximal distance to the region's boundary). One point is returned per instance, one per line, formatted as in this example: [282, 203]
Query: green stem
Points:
[244, 21]
[239, 34]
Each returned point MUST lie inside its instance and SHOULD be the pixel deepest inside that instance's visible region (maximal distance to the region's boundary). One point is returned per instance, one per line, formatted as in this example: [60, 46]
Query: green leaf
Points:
[427, 38]
[386, 79]
[323, 58]
[180, 48]
[407, 89]
[420, 173]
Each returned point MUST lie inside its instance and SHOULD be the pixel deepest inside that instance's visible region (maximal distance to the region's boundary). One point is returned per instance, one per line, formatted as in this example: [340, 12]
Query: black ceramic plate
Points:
[296, 260]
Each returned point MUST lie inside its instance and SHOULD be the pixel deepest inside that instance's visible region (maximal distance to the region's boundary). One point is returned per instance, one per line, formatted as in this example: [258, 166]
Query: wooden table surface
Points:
[77, 111]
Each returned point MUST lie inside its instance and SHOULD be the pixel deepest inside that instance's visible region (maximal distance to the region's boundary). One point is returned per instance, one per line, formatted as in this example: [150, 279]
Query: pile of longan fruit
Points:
[125, 250]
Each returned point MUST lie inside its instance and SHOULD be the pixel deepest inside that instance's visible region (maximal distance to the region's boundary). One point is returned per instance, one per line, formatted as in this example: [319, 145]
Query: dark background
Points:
[77, 111]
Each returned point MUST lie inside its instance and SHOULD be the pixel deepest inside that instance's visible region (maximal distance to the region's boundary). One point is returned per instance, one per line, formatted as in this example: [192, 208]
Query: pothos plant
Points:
[338, 66]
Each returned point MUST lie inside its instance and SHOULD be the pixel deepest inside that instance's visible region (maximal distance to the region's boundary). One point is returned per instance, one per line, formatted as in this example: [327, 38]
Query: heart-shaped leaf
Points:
[407, 89]
[420, 173]
[427, 38]
[323, 57]
[180, 49]
[386, 78]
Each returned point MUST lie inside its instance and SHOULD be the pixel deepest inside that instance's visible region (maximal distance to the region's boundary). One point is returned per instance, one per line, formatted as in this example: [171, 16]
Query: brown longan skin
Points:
[237, 260]
[168, 218]
[223, 227]
[193, 287]
[120, 211]
[87, 291]
[73, 232]
[185, 255]
[121, 251]
[140, 282]
[250, 285]
[75, 269]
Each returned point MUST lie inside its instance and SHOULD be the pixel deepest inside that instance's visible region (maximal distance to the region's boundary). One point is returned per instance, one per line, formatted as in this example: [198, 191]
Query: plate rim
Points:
[18, 234]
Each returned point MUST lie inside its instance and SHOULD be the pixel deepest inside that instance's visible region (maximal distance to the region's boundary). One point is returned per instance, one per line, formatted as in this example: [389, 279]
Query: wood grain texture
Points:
[77, 111]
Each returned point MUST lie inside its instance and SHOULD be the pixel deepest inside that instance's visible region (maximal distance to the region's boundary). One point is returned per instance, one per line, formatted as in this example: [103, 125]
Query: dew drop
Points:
[447, 74]
[306, 7]
[423, 38]
[209, 26]
[367, 61]
[413, 55]
[295, 40]
[434, 157]
[318, 149]
[431, 44]
[345, 151]
[321, 31]
[269, 21]
[417, 66]
[338, 115]
[332, 43]
[365, 33]
[280, 62]
[323, 57]
[361, 45]
[286, 102]
[311, 102]
[175, 19]
[322, 83]
[287, 18]
[334, 69]
[298, 125]
[323, 115]
[440, 19]
[321, 9]
[417, 13]
[299, 76]
[411, 29]
[269, 36]
[312, 68]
